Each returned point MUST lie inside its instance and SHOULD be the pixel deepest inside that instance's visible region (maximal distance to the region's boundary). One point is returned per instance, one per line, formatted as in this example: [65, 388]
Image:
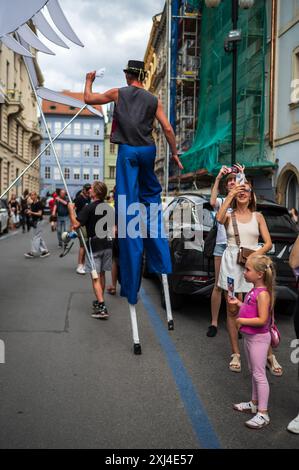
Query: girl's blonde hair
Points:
[264, 264]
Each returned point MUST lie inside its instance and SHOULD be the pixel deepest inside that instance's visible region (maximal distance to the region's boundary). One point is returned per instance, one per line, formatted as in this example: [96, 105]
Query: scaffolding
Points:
[185, 66]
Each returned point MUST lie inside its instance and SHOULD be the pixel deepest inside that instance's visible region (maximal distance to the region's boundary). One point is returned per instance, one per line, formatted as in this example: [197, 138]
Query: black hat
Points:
[134, 66]
[87, 186]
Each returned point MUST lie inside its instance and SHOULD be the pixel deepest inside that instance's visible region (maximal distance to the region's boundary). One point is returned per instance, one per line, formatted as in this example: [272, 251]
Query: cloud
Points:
[111, 31]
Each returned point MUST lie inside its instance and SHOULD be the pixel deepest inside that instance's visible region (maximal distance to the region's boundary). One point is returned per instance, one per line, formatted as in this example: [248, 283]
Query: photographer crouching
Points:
[35, 216]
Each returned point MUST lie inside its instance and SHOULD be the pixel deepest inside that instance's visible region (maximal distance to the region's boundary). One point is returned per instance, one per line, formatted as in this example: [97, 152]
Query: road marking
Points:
[193, 405]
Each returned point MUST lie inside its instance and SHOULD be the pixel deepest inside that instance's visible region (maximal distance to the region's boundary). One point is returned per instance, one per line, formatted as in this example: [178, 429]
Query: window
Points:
[68, 129]
[47, 172]
[96, 129]
[86, 150]
[53, 107]
[67, 150]
[77, 128]
[86, 173]
[58, 149]
[86, 128]
[96, 174]
[112, 148]
[96, 150]
[77, 150]
[76, 173]
[56, 173]
[67, 172]
[49, 126]
[57, 127]
[48, 151]
[112, 172]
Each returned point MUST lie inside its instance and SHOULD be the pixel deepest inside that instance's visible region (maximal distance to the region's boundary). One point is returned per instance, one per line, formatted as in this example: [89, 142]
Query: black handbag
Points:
[210, 241]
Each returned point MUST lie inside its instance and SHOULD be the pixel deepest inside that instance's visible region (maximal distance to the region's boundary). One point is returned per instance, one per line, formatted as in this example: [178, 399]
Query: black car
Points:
[193, 273]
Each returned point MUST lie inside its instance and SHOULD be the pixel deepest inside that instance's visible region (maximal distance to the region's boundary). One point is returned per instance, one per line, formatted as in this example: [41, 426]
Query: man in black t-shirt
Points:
[62, 212]
[35, 214]
[81, 200]
[100, 249]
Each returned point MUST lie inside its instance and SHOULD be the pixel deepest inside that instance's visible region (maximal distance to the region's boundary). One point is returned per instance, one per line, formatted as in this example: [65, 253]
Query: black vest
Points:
[133, 117]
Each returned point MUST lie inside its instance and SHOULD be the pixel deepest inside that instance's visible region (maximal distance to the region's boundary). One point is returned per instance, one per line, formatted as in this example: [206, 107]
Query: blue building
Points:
[80, 147]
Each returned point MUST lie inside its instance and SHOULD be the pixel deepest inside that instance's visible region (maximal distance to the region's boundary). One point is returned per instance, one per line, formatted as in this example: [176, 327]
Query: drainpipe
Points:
[272, 72]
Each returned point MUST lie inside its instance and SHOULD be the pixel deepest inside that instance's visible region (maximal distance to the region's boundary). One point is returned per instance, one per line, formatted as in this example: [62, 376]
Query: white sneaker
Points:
[293, 426]
[80, 269]
[258, 421]
[245, 407]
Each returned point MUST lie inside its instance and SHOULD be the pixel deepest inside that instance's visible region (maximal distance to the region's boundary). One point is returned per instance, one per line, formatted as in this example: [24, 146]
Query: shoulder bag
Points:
[243, 253]
[274, 332]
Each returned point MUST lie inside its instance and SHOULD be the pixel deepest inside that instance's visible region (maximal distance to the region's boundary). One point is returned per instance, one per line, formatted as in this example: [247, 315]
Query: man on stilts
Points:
[134, 114]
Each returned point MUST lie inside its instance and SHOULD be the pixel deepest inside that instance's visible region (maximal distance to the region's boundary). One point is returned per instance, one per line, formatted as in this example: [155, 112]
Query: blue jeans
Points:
[63, 224]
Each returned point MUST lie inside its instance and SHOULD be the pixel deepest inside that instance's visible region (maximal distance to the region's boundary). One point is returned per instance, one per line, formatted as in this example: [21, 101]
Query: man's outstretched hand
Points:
[177, 161]
[90, 76]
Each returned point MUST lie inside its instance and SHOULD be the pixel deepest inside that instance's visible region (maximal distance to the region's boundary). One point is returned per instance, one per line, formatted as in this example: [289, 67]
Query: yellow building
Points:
[20, 136]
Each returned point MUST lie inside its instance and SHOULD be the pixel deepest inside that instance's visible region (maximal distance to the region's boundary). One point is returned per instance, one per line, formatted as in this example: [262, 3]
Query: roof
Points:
[48, 106]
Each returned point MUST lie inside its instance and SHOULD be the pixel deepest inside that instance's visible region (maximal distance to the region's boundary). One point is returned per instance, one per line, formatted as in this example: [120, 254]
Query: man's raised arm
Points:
[98, 98]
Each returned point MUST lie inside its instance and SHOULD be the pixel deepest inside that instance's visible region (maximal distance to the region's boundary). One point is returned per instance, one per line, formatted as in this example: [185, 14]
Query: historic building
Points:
[20, 135]
[80, 147]
[110, 154]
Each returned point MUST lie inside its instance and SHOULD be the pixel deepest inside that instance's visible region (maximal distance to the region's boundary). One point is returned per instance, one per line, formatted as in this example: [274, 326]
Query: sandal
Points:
[273, 366]
[111, 290]
[235, 363]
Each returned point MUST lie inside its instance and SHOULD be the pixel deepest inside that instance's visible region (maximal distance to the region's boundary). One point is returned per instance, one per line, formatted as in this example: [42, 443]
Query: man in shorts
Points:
[100, 249]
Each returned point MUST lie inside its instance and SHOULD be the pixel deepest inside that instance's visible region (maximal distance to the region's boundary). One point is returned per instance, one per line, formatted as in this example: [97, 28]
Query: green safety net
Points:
[211, 147]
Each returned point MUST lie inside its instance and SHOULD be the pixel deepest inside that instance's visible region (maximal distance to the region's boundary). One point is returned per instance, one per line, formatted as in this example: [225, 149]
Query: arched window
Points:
[292, 192]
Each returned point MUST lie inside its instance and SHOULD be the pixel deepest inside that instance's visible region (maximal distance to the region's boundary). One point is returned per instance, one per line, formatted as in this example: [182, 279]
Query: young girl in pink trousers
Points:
[254, 319]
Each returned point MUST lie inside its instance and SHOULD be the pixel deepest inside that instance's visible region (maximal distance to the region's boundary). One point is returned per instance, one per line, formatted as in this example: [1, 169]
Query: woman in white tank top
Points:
[251, 226]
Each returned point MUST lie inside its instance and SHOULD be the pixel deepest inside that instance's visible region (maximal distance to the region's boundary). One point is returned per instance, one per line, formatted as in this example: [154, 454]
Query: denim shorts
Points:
[219, 249]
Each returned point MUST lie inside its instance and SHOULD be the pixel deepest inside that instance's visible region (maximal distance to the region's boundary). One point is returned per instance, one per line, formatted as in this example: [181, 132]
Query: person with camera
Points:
[244, 226]
[220, 242]
[61, 211]
[35, 215]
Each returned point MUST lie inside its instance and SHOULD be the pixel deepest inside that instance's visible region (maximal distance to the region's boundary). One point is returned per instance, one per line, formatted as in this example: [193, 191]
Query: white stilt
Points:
[137, 346]
[167, 302]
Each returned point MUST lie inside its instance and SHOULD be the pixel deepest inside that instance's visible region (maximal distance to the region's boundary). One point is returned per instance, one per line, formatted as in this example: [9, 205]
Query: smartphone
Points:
[230, 287]
[240, 178]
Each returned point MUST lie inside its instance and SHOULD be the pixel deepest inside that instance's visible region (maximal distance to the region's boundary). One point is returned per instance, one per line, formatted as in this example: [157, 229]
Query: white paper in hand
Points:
[101, 72]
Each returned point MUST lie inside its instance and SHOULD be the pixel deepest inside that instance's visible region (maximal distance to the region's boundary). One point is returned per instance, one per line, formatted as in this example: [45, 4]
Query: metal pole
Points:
[39, 155]
[235, 8]
[166, 175]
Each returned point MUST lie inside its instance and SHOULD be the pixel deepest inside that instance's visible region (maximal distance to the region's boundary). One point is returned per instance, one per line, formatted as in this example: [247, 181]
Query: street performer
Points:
[134, 114]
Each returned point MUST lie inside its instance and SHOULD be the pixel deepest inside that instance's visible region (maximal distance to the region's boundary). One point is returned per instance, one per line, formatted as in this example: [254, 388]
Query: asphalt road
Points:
[70, 381]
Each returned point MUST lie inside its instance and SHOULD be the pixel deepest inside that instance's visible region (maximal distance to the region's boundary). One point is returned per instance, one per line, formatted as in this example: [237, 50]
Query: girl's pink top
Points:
[249, 309]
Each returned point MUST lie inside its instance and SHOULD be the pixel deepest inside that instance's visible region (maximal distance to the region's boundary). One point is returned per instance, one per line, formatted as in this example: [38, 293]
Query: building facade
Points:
[110, 154]
[286, 95]
[80, 147]
[20, 135]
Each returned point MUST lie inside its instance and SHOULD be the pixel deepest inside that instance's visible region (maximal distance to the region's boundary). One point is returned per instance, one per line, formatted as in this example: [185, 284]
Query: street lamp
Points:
[231, 46]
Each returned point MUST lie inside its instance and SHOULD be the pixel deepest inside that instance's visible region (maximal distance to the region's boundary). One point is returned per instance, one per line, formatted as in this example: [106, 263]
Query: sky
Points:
[112, 31]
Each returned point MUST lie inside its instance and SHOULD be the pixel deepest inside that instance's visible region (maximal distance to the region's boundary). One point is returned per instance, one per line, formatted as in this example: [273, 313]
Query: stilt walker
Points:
[136, 183]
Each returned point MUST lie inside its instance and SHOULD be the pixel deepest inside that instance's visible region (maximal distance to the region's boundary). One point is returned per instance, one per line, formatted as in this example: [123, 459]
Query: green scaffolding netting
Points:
[211, 147]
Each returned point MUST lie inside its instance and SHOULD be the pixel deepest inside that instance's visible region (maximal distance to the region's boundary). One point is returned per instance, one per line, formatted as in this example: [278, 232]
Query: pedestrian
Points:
[254, 320]
[14, 210]
[135, 110]
[35, 214]
[53, 218]
[100, 249]
[23, 208]
[220, 245]
[61, 211]
[245, 223]
[293, 426]
[81, 200]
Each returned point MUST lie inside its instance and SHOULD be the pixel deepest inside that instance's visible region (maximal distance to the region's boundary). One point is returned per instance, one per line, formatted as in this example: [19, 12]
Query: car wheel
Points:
[176, 300]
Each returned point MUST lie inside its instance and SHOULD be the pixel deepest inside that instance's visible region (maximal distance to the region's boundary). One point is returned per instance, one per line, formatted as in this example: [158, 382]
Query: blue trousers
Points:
[136, 180]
